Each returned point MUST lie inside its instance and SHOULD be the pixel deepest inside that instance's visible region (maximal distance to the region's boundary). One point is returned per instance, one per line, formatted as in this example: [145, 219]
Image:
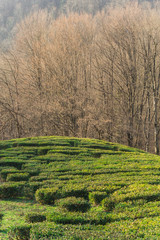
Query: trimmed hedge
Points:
[13, 190]
[66, 218]
[74, 204]
[17, 177]
[35, 217]
[54, 157]
[74, 190]
[32, 172]
[97, 218]
[5, 172]
[38, 178]
[137, 191]
[46, 195]
[12, 163]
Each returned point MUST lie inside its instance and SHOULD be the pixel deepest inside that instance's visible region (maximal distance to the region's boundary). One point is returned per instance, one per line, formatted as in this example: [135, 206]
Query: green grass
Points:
[120, 184]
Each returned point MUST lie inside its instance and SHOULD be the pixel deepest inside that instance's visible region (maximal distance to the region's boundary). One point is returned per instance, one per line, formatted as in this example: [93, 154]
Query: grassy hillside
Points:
[68, 188]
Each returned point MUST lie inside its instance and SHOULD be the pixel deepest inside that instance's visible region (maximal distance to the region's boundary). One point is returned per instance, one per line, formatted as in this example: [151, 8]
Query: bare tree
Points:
[11, 103]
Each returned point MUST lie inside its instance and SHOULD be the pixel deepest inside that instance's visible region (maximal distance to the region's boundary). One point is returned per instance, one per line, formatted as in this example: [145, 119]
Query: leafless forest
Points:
[83, 75]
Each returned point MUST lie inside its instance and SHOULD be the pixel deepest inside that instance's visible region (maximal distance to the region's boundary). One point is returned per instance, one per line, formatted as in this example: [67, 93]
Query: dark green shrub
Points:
[85, 154]
[5, 172]
[74, 143]
[137, 191]
[25, 150]
[32, 165]
[106, 146]
[101, 186]
[67, 151]
[108, 204]
[43, 150]
[37, 178]
[66, 218]
[35, 217]
[46, 195]
[97, 218]
[32, 172]
[12, 163]
[97, 197]
[74, 191]
[9, 190]
[17, 177]
[19, 232]
[53, 157]
[74, 204]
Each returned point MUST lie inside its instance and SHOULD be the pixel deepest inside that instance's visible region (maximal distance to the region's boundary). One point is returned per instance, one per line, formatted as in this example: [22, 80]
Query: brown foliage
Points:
[84, 76]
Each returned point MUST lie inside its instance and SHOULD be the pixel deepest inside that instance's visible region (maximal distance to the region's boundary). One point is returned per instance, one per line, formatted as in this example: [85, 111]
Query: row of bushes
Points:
[133, 192]
[49, 195]
[25, 231]
[19, 189]
[71, 199]
[73, 204]
[94, 193]
[33, 174]
[18, 163]
[137, 191]
[12, 163]
[46, 194]
[99, 218]
[16, 177]
[13, 175]
[47, 231]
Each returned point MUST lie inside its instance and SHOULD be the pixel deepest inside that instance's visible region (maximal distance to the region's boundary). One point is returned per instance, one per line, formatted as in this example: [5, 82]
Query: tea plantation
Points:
[70, 188]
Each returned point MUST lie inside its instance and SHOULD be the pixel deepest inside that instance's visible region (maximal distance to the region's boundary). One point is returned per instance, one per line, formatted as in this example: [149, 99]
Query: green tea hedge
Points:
[35, 217]
[74, 204]
[17, 177]
[46, 195]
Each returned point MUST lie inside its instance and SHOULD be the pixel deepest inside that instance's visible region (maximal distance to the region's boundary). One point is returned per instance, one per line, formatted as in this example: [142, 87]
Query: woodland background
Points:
[83, 68]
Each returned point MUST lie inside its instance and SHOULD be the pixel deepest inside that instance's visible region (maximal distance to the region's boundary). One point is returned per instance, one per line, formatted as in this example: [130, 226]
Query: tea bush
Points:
[92, 218]
[35, 217]
[67, 218]
[119, 184]
[137, 191]
[17, 177]
[46, 195]
[11, 190]
[74, 190]
[74, 204]
[5, 172]
[12, 163]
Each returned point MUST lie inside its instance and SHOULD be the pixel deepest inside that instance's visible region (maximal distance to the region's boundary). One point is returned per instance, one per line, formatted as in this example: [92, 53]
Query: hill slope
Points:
[82, 188]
